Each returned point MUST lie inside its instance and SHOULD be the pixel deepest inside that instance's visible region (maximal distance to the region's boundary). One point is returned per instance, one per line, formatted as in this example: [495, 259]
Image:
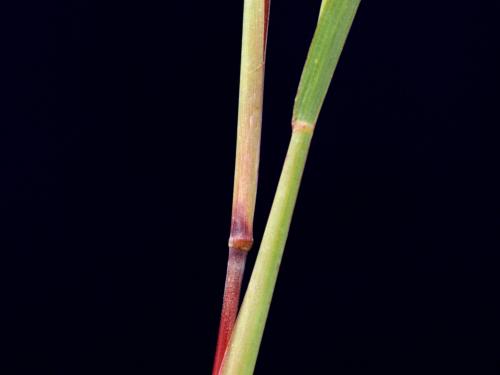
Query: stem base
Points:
[235, 270]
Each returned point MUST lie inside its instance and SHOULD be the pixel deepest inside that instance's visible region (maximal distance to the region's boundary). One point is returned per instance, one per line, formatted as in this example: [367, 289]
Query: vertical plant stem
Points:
[254, 38]
[230, 303]
[334, 22]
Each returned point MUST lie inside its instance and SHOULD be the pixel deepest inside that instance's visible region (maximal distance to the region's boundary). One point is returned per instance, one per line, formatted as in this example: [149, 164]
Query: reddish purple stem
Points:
[230, 305]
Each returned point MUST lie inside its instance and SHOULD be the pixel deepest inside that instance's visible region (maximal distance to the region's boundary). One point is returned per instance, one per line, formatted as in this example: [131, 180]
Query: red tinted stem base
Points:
[235, 269]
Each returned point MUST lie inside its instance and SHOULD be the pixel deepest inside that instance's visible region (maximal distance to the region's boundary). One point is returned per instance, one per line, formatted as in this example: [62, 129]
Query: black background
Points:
[118, 130]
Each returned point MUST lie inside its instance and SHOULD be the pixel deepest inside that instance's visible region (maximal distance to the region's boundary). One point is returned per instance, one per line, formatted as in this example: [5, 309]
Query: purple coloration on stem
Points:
[267, 7]
[234, 276]
[241, 237]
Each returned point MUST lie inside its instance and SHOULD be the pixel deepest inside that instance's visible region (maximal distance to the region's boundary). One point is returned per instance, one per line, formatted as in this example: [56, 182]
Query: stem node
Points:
[299, 126]
[240, 243]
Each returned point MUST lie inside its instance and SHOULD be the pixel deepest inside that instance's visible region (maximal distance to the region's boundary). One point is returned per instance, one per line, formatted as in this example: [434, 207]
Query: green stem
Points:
[334, 22]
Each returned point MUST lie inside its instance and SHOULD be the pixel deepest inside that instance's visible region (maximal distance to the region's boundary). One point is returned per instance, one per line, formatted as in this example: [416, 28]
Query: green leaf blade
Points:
[334, 23]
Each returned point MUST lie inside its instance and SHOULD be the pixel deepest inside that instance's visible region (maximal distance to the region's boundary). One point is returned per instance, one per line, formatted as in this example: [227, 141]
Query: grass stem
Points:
[336, 17]
[254, 39]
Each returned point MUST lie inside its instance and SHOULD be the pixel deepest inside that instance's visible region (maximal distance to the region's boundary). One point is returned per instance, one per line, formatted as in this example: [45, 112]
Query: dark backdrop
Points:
[118, 130]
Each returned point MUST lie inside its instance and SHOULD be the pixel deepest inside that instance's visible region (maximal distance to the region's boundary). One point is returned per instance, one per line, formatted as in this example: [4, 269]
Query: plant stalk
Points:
[254, 39]
[334, 22]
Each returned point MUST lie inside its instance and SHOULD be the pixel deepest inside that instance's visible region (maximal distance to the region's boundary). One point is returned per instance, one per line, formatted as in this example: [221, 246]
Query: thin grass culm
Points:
[334, 23]
[254, 38]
